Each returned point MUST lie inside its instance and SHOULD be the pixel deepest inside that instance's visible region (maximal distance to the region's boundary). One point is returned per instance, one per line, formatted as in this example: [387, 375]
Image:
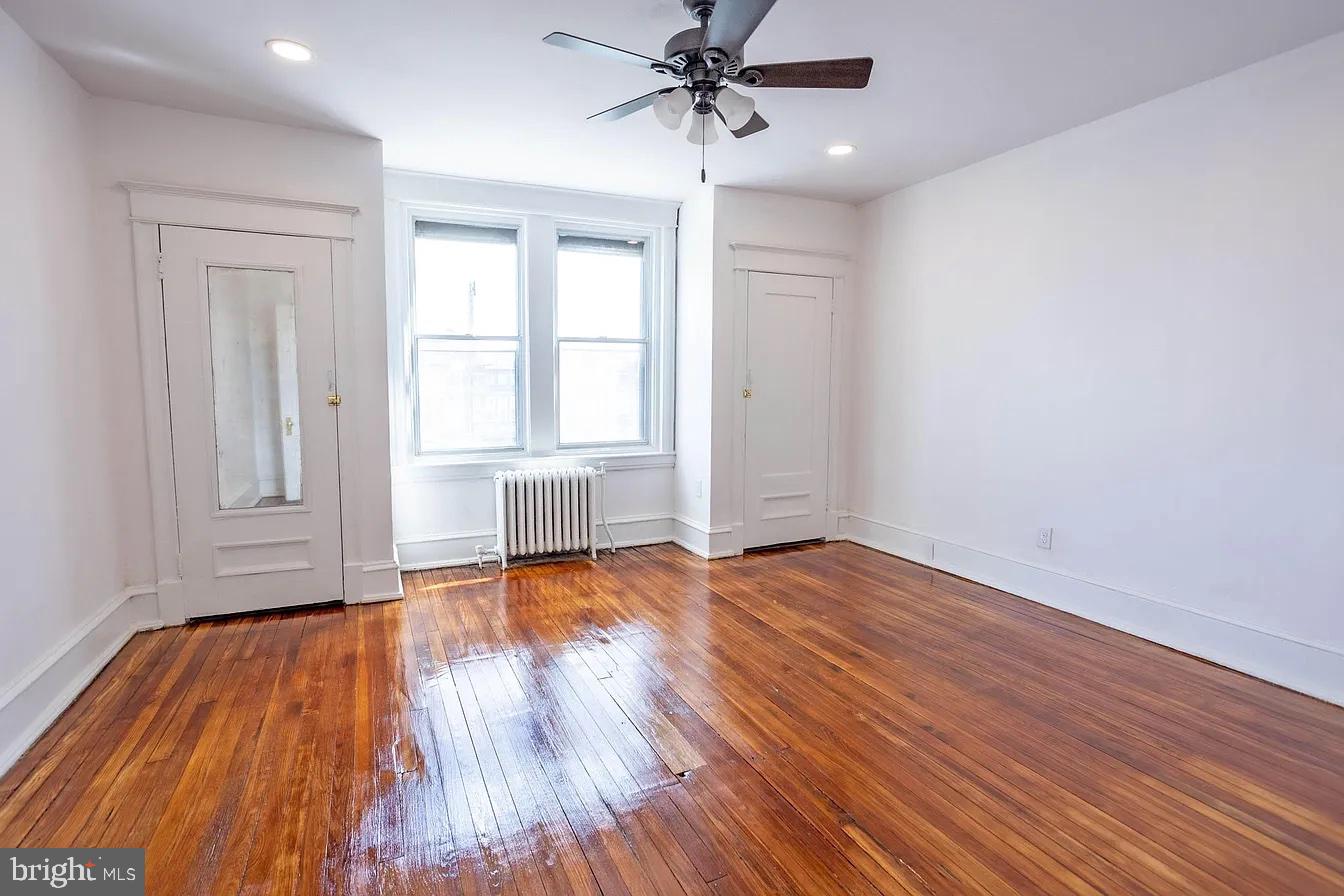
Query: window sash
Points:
[482, 231]
[519, 365]
[645, 385]
[617, 244]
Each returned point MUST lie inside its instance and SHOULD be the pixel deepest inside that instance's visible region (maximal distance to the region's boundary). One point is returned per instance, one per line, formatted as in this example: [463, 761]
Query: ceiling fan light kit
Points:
[670, 108]
[735, 108]
[702, 132]
[705, 59]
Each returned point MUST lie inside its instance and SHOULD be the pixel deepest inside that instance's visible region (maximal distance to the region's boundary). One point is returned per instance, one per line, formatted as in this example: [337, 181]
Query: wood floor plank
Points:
[71, 744]
[817, 720]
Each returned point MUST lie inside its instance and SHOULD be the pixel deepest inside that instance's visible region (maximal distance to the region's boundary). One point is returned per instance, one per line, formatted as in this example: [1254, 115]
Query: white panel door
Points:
[251, 363]
[788, 408]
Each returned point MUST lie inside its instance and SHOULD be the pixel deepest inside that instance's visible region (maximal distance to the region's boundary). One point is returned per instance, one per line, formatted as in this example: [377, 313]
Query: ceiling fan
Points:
[705, 60]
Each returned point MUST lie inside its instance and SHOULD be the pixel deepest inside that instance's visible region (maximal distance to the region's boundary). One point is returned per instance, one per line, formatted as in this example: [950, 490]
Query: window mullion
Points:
[539, 307]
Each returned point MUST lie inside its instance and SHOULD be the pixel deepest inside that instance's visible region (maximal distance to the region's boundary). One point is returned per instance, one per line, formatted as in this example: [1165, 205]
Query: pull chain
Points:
[702, 149]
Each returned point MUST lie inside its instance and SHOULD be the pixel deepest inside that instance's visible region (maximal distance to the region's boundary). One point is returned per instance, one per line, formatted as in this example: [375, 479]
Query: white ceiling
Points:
[468, 88]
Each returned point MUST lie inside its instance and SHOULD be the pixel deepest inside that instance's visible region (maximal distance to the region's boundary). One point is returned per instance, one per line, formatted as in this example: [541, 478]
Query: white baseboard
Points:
[32, 702]
[459, 548]
[382, 581]
[709, 542]
[1310, 668]
[372, 583]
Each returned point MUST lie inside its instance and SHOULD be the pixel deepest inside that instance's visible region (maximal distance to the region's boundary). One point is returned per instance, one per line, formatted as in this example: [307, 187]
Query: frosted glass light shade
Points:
[735, 108]
[670, 109]
[702, 132]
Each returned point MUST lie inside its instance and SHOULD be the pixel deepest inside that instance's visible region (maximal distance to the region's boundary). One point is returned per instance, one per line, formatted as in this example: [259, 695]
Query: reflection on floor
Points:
[819, 720]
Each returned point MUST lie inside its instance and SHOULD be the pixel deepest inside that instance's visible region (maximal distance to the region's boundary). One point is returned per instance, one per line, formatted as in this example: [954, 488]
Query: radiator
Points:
[540, 512]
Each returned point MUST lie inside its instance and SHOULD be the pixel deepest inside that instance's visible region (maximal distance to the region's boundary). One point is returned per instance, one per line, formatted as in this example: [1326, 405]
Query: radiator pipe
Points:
[602, 471]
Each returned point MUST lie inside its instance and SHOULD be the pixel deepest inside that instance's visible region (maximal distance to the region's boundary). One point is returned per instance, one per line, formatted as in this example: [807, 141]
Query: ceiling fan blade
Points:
[754, 125]
[848, 74]
[593, 48]
[630, 107]
[732, 22]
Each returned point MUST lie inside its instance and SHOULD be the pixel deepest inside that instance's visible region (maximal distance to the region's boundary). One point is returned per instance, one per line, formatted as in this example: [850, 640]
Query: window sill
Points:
[452, 469]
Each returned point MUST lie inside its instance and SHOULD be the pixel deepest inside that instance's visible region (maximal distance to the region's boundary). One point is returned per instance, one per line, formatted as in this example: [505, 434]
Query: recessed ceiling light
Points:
[288, 49]
[840, 149]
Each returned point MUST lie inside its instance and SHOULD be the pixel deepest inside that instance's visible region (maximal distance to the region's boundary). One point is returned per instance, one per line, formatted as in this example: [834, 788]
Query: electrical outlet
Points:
[1045, 538]
[699, 487]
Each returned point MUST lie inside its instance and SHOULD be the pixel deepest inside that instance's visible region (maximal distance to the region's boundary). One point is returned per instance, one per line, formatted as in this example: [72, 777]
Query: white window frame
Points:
[648, 288]
[520, 363]
[540, 214]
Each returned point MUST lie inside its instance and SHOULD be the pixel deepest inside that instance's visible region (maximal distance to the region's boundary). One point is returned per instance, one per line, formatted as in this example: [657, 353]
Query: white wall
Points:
[138, 142]
[64, 606]
[1132, 332]
[770, 220]
[77, 526]
[695, 360]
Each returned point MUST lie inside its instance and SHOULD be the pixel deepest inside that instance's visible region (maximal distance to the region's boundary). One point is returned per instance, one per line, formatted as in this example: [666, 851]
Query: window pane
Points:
[468, 393]
[466, 280]
[600, 288]
[601, 392]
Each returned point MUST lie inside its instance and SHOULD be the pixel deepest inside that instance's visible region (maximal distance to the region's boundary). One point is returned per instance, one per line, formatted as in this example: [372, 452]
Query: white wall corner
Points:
[30, 703]
[1313, 669]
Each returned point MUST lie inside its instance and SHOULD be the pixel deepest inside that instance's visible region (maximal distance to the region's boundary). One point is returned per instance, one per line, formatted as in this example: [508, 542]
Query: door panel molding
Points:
[256, 552]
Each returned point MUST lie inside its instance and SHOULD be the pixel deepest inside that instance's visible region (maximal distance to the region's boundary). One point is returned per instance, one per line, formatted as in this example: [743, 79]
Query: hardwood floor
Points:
[818, 720]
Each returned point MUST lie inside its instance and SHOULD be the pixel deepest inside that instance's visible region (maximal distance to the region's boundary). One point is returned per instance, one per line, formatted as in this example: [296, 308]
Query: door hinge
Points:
[159, 267]
[334, 399]
[179, 566]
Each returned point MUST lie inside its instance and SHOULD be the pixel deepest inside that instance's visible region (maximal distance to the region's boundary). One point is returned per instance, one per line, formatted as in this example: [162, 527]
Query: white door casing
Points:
[246, 542]
[787, 413]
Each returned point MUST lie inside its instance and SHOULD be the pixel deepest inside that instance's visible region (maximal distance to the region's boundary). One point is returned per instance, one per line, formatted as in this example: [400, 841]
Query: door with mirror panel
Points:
[252, 393]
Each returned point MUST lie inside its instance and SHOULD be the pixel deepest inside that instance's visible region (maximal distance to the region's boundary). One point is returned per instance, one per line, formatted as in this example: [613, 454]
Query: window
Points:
[602, 340]
[466, 351]
[531, 333]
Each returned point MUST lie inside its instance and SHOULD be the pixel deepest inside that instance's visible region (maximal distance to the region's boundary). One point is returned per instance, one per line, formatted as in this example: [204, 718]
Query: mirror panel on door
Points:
[254, 365]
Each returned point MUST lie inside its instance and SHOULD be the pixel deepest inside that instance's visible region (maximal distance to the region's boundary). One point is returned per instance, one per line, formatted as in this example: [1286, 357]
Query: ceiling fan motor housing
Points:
[683, 54]
[698, 9]
[683, 49]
